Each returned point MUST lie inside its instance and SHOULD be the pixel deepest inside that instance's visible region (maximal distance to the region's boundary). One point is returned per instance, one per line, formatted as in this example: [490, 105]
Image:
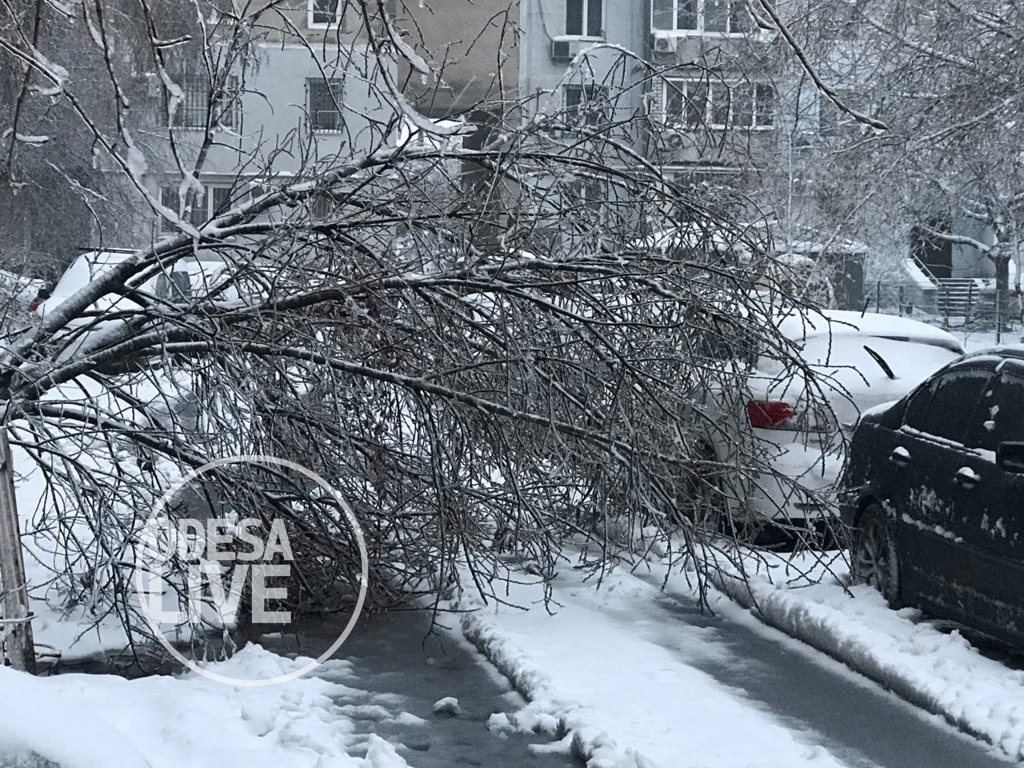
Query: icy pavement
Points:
[940, 671]
[637, 687]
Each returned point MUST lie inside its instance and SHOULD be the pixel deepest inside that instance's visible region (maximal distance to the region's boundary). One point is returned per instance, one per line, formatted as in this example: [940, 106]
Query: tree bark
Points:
[18, 647]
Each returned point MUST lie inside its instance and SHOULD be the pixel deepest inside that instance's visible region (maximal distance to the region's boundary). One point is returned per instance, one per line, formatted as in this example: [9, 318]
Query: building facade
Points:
[712, 98]
[224, 114]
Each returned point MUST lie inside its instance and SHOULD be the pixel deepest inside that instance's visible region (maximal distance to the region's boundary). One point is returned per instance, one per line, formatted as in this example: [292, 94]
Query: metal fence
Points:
[953, 304]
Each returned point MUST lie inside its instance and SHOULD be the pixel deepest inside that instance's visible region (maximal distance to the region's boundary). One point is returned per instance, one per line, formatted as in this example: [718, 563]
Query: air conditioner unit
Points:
[664, 42]
[566, 48]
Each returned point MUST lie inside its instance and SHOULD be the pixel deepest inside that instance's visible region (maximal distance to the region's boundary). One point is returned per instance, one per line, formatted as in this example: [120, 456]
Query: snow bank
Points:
[600, 668]
[546, 712]
[104, 720]
[938, 671]
[605, 667]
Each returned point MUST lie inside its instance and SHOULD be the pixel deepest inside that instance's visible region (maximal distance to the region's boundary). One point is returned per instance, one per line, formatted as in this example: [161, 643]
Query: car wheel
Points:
[873, 559]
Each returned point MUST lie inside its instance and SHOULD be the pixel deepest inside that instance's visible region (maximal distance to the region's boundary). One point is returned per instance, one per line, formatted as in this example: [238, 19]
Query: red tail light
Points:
[770, 415]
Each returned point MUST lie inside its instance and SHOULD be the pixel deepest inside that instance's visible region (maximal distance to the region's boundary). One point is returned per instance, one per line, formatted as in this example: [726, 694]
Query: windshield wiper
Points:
[881, 361]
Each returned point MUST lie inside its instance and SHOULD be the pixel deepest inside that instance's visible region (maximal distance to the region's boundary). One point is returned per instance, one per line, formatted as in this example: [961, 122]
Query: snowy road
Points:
[854, 719]
[645, 678]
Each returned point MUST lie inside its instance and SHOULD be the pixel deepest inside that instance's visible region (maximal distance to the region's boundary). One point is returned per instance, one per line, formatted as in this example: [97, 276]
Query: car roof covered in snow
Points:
[90, 265]
[1005, 350]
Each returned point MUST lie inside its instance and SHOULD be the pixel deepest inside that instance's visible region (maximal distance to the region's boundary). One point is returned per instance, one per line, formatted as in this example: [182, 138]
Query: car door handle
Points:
[900, 456]
[967, 477]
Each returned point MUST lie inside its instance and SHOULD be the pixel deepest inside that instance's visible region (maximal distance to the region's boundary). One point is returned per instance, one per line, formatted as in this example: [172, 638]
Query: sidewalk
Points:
[601, 667]
[612, 679]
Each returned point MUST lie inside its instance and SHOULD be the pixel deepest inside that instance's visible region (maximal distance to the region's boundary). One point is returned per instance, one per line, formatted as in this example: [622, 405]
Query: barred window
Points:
[324, 104]
[198, 96]
[324, 13]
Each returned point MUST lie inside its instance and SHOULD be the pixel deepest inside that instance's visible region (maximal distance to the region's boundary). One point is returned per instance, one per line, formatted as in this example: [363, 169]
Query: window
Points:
[198, 208]
[324, 102]
[720, 105]
[199, 96]
[728, 17]
[1001, 416]
[586, 104]
[583, 18]
[324, 13]
[945, 407]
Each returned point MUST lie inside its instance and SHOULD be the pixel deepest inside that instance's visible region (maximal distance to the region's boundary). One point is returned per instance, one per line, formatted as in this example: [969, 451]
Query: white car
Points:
[174, 288]
[189, 277]
[851, 362]
[19, 291]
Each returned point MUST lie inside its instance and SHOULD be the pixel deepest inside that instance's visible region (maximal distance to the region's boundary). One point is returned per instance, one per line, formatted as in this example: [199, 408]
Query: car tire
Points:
[699, 500]
[873, 556]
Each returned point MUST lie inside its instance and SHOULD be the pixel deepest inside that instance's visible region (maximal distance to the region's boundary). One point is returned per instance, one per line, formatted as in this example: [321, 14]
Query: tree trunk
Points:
[1002, 263]
[18, 647]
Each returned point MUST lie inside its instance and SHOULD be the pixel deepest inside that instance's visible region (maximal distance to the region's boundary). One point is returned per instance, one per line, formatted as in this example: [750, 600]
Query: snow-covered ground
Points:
[601, 665]
[103, 721]
[595, 668]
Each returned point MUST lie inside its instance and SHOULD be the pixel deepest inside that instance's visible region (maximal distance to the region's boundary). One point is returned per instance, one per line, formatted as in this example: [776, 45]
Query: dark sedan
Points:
[934, 492]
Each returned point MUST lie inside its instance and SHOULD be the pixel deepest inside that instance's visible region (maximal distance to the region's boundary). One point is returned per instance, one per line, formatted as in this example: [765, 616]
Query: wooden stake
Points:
[16, 629]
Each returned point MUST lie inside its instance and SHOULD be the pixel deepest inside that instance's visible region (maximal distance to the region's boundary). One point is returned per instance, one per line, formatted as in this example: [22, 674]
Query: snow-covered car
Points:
[188, 277]
[933, 490]
[800, 416]
[177, 286]
[19, 290]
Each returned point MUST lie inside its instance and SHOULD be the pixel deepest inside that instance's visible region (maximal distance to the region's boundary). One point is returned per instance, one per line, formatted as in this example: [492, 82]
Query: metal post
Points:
[999, 316]
[16, 628]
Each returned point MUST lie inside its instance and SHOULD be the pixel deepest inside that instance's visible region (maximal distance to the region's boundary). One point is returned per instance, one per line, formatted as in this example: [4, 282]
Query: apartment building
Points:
[306, 94]
[710, 89]
[712, 97]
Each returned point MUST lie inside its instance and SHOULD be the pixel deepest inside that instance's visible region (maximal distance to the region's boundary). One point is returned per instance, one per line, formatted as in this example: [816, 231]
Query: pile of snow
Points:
[937, 670]
[97, 721]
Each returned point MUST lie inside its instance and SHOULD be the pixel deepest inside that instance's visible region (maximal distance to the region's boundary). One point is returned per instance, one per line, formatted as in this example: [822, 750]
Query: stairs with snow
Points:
[961, 297]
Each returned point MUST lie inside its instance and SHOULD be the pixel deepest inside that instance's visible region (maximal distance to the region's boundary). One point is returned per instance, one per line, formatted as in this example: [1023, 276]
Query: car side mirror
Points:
[1010, 456]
